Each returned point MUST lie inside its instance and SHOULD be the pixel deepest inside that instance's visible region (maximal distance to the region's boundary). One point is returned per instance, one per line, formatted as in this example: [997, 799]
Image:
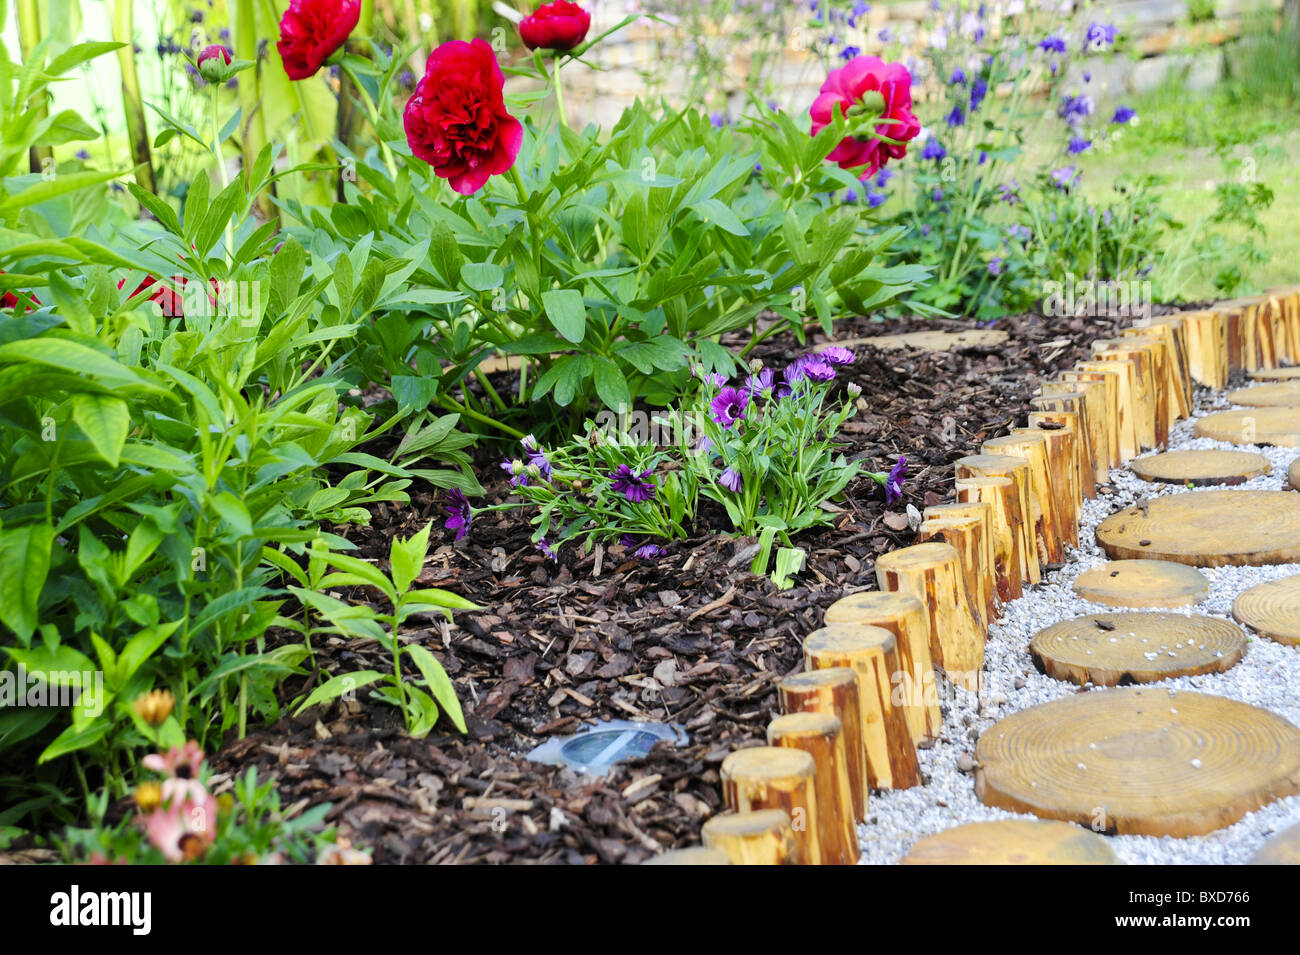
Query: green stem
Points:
[221, 165]
[559, 93]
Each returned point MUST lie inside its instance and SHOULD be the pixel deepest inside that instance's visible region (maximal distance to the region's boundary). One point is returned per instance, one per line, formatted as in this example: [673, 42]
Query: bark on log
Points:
[1102, 391]
[773, 777]
[821, 736]
[1060, 428]
[1207, 347]
[953, 523]
[834, 691]
[1071, 409]
[999, 493]
[1042, 499]
[1018, 506]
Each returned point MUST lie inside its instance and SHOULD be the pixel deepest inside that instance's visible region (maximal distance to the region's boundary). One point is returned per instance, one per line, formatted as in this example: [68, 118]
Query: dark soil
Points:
[693, 638]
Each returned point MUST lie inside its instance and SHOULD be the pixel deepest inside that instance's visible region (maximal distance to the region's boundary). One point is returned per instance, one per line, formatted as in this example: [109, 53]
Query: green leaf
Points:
[566, 312]
[611, 386]
[482, 276]
[106, 422]
[717, 213]
[75, 738]
[407, 557]
[339, 686]
[24, 565]
[439, 684]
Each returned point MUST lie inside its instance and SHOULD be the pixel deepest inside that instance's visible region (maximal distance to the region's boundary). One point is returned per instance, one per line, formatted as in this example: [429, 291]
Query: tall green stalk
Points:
[29, 35]
[137, 130]
[253, 132]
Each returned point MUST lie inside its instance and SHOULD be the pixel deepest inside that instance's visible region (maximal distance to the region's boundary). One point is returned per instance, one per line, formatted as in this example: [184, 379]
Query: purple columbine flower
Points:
[1122, 115]
[515, 468]
[1077, 145]
[1065, 177]
[837, 355]
[978, 90]
[731, 480]
[729, 406]
[850, 195]
[717, 120]
[958, 77]
[883, 177]
[1009, 192]
[876, 199]
[1053, 44]
[933, 149]
[849, 52]
[647, 551]
[459, 514]
[1099, 35]
[637, 488]
[1074, 109]
[956, 117]
[1020, 232]
[894, 482]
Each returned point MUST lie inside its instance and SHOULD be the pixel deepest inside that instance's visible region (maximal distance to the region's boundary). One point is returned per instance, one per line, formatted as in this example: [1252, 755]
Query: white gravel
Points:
[1266, 677]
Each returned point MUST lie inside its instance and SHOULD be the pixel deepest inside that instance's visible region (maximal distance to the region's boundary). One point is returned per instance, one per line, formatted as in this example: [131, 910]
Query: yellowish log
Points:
[773, 777]
[834, 691]
[821, 736]
[930, 572]
[761, 837]
[1018, 505]
[999, 493]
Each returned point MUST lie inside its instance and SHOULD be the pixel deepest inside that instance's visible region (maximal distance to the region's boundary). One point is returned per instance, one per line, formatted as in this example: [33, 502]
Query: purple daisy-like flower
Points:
[894, 482]
[810, 367]
[646, 551]
[760, 383]
[732, 480]
[637, 488]
[459, 514]
[515, 468]
[546, 549]
[837, 355]
[729, 406]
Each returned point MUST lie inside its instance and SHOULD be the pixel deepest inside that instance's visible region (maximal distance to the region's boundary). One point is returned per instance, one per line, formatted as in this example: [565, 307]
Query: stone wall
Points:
[1158, 36]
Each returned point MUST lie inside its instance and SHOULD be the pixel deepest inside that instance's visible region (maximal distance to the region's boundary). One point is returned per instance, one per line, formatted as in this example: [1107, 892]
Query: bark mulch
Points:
[693, 638]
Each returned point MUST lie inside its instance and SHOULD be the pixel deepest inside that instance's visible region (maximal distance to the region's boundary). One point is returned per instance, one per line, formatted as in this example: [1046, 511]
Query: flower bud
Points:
[155, 706]
[148, 796]
[213, 63]
[853, 388]
[755, 365]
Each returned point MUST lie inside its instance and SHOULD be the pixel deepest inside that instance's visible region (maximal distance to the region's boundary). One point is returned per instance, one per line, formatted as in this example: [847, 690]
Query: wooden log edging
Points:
[1019, 501]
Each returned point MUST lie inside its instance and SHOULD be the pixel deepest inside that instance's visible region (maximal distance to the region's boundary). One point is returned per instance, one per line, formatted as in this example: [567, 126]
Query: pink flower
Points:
[185, 823]
[847, 87]
[311, 31]
[183, 762]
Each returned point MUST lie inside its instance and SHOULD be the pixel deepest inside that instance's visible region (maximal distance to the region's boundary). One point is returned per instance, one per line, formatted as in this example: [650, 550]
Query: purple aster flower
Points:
[717, 379]
[850, 195]
[1053, 44]
[933, 149]
[958, 77]
[894, 482]
[729, 406]
[810, 367]
[731, 480]
[637, 488]
[1065, 177]
[1123, 114]
[459, 514]
[837, 355]
[978, 90]
[515, 468]
[956, 117]
[1077, 145]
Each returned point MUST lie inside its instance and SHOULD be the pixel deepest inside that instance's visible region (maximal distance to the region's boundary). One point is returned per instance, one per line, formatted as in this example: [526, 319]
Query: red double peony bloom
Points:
[310, 32]
[847, 87]
[555, 26]
[456, 120]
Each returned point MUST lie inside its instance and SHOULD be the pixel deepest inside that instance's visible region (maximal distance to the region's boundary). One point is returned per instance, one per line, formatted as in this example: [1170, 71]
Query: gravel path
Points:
[1267, 677]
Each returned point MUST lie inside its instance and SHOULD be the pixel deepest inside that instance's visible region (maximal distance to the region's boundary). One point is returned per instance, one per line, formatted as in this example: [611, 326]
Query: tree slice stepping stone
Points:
[1201, 467]
[1277, 394]
[1013, 842]
[1139, 761]
[930, 340]
[1107, 649]
[1272, 610]
[1208, 529]
[1279, 426]
[1276, 374]
[1282, 849]
[1293, 474]
[1142, 583]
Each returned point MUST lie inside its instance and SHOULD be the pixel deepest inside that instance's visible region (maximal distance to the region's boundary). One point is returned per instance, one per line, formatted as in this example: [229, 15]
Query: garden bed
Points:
[693, 638]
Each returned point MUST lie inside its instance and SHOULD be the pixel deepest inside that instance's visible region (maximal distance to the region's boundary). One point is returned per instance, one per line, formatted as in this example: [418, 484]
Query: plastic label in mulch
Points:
[599, 747]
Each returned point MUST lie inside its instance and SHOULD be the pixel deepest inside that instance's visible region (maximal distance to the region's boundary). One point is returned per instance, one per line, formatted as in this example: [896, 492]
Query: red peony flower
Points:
[10, 299]
[310, 32]
[456, 120]
[168, 299]
[847, 87]
[555, 26]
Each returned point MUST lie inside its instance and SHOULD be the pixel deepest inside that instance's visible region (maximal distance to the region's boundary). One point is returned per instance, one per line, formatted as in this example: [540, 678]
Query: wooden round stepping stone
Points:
[1013, 842]
[931, 340]
[1142, 583]
[1208, 529]
[1276, 374]
[1272, 610]
[1293, 474]
[1201, 468]
[1277, 394]
[1108, 649]
[1139, 761]
[1281, 849]
[1278, 426]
